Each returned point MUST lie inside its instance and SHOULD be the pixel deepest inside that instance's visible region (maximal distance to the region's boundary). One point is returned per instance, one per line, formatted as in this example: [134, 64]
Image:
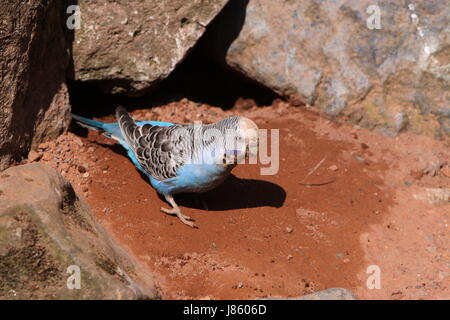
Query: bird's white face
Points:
[250, 137]
[244, 144]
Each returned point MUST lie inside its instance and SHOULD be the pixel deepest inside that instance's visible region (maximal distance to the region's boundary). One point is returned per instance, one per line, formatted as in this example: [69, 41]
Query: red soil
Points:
[271, 235]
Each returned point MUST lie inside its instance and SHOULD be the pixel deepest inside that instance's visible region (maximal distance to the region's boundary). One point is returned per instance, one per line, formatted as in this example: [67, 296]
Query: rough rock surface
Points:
[127, 46]
[328, 294]
[323, 53]
[44, 229]
[34, 104]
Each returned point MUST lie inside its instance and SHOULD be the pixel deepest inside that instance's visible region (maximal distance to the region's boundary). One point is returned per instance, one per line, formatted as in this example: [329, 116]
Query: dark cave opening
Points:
[197, 78]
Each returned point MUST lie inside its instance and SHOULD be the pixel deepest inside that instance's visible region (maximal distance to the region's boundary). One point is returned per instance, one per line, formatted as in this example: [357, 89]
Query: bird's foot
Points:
[177, 212]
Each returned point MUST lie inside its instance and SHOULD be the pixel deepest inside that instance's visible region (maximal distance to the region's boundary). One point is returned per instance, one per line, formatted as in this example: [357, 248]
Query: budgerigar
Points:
[181, 158]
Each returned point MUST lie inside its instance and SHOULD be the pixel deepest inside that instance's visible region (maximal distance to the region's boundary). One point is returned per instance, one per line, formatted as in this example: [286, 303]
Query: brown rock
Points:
[328, 55]
[128, 46]
[34, 156]
[43, 146]
[446, 170]
[416, 174]
[34, 103]
[47, 231]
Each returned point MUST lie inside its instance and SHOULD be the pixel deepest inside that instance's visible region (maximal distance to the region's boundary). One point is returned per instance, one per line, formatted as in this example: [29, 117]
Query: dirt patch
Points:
[292, 233]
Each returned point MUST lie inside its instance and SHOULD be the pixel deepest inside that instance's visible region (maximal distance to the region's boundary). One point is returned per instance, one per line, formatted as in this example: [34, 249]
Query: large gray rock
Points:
[128, 46]
[45, 229]
[323, 53]
[34, 103]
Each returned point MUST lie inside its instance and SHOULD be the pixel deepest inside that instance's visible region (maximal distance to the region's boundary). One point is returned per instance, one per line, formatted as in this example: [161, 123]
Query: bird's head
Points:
[243, 144]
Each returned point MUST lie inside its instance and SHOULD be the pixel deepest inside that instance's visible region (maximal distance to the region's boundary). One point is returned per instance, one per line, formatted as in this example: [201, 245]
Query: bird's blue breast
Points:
[192, 178]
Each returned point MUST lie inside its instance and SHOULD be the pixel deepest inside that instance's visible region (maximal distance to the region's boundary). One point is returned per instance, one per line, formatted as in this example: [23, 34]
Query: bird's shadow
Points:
[233, 193]
[236, 193]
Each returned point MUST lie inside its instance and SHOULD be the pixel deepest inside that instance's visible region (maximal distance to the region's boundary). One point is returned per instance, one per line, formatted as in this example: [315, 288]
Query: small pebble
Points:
[64, 167]
[339, 255]
[81, 169]
[44, 146]
[445, 170]
[78, 141]
[416, 174]
[34, 156]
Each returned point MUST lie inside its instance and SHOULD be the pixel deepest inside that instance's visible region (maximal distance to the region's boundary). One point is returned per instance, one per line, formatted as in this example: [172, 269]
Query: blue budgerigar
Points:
[181, 158]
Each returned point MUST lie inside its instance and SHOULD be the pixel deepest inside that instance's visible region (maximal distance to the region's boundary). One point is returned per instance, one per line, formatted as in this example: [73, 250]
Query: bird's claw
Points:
[175, 212]
[171, 212]
[185, 219]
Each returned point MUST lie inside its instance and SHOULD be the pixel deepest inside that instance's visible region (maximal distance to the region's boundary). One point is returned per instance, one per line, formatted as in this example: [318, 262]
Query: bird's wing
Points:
[160, 150]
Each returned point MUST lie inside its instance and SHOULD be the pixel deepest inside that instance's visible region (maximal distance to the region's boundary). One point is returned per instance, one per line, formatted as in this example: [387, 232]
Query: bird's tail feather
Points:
[88, 123]
[111, 130]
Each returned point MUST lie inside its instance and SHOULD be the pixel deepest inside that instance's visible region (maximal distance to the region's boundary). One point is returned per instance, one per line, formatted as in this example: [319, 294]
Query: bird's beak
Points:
[251, 151]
